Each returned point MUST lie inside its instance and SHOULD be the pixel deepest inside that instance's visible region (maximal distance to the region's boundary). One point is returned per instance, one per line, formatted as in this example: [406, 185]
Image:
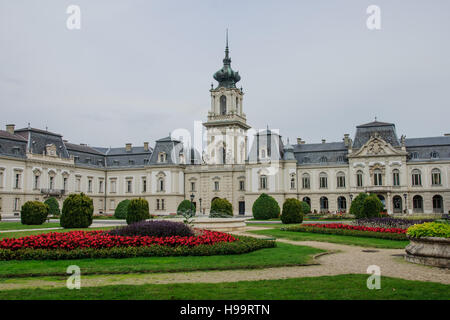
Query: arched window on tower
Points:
[223, 105]
[237, 105]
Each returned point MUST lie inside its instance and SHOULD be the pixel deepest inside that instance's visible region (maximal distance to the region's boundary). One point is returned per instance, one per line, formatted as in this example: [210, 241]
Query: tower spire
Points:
[226, 77]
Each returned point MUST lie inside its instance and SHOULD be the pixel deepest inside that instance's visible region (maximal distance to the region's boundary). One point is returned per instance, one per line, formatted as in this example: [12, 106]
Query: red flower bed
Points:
[100, 239]
[359, 228]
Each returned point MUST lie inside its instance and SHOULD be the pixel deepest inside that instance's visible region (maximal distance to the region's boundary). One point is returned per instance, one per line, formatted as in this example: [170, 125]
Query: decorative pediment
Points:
[377, 147]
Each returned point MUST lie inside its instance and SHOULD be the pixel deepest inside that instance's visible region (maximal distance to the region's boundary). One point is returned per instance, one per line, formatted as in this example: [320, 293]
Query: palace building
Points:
[409, 175]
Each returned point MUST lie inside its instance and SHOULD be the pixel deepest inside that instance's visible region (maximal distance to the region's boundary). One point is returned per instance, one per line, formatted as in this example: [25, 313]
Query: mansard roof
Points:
[38, 140]
[12, 145]
[9, 136]
[384, 129]
[429, 148]
[321, 153]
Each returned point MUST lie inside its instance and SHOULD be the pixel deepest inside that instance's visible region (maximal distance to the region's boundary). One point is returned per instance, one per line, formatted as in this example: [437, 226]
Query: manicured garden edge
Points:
[243, 245]
[345, 232]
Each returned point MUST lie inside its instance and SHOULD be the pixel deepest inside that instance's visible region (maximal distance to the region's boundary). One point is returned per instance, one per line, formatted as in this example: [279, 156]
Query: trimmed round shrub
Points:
[53, 206]
[371, 208]
[137, 211]
[184, 206]
[292, 211]
[357, 203]
[77, 211]
[265, 207]
[159, 228]
[122, 209]
[34, 213]
[221, 206]
[305, 207]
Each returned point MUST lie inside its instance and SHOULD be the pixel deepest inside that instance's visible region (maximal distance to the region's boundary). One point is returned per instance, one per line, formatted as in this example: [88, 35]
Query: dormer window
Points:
[116, 162]
[434, 155]
[414, 155]
[162, 157]
[131, 162]
[88, 160]
[323, 160]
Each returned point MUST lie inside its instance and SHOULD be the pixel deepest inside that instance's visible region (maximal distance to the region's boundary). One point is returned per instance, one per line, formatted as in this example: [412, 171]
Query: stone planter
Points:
[429, 251]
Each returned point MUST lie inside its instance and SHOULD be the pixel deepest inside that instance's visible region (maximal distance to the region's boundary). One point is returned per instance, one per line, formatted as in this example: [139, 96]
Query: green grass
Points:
[19, 226]
[29, 233]
[341, 287]
[282, 255]
[351, 240]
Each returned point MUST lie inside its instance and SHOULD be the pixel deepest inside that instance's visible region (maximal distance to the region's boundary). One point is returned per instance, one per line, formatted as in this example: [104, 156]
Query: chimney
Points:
[447, 134]
[299, 140]
[323, 140]
[145, 146]
[346, 139]
[10, 128]
[128, 147]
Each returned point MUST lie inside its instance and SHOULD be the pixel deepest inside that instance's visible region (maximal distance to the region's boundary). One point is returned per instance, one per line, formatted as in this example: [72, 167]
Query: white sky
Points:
[139, 69]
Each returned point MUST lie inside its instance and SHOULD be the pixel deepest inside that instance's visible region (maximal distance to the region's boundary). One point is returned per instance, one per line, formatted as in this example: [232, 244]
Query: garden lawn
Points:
[19, 226]
[25, 233]
[317, 288]
[282, 255]
[351, 240]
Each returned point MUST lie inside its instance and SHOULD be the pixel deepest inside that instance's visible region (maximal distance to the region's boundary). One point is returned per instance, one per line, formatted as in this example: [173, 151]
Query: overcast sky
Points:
[139, 69]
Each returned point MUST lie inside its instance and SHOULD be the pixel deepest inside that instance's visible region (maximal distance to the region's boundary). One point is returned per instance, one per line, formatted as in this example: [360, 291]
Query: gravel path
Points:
[342, 259]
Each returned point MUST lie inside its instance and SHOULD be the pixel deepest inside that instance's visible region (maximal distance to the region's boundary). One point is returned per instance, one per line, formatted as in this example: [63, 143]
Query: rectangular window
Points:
[241, 185]
[263, 182]
[323, 182]
[396, 179]
[436, 179]
[16, 204]
[129, 189]
[1, 179]
[112, 204]
[64, 184]
[51, 183]
[144, 185]
[100, 186]
[90, 185]
[377, 179]
[78, 185]
[341, 182]
[17, 181]
[157, 204]
[359, 180]
[192, 186]
[113, 186]
[305, 183]
[36, 182]
[216, 185]
[162, 204]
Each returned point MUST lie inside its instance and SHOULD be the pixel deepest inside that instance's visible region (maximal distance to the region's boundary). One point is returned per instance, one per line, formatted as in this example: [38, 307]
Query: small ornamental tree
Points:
[77, 211]
[184, 206]
[34, 213]
[222, 207]
[53, 206]
[356, 206]
[265, 207]
[371, 208]
[122, 209]
[137, 211]
[305, 207]
[292, 211]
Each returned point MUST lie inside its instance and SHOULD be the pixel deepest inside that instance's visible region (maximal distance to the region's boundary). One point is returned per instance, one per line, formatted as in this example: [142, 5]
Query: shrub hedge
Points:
[185, 205]
[243, 245]
[357, 203]
[305, 207]
[292, 211]
[137, 211]
[122, 209]
[222, 206]
[265, 208]
[159, 228]
[345, 232]
[34, 213]
[371, 207]
[53, 206]
[77, 211]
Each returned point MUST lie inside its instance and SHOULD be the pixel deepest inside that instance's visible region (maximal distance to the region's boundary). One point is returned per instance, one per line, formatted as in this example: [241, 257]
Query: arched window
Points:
[377, 178]
[396, 178]
[436, 177]
[340, 177]
[417, 204]
[323, 180]
[161, 184]
[438, 206]
[416, 177]
[306, 181]
[397, 204]
[342, 203]
[359, 178]
[237, 105]
[307, 200]
[223, 105]
[323, 204]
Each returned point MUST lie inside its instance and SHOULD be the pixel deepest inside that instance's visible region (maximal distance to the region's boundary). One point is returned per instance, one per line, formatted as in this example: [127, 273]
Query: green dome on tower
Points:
[226, 76]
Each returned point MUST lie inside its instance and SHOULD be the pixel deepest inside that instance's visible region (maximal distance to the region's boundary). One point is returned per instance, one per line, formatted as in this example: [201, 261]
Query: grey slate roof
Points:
[365, 131]
[12, 145]
[321, 153]
[38, 140]
[430, 148]
[269, 140]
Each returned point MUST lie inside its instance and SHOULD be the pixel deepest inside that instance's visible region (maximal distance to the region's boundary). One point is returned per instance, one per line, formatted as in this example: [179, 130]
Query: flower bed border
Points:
[346, 232]
[242, 245]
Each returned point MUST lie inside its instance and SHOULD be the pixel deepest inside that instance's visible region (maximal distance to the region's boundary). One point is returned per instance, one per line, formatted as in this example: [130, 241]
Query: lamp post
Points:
[351, 198]
[192, 199]
[200, 200]
[406, 202]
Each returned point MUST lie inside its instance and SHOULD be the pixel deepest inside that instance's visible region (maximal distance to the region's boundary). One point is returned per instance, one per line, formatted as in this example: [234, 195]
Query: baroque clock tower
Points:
[227, 124]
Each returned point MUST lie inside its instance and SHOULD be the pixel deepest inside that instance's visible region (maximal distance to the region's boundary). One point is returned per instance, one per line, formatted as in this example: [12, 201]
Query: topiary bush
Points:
[357, 203]
[184, 206]
[77, 211]
[53, 206]
[305, 207]
[221, 206]
[292, 211]
[34, 213]
[122, 209]
[137, 211]
[265, 207]
[371, 207]
[160, 228]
